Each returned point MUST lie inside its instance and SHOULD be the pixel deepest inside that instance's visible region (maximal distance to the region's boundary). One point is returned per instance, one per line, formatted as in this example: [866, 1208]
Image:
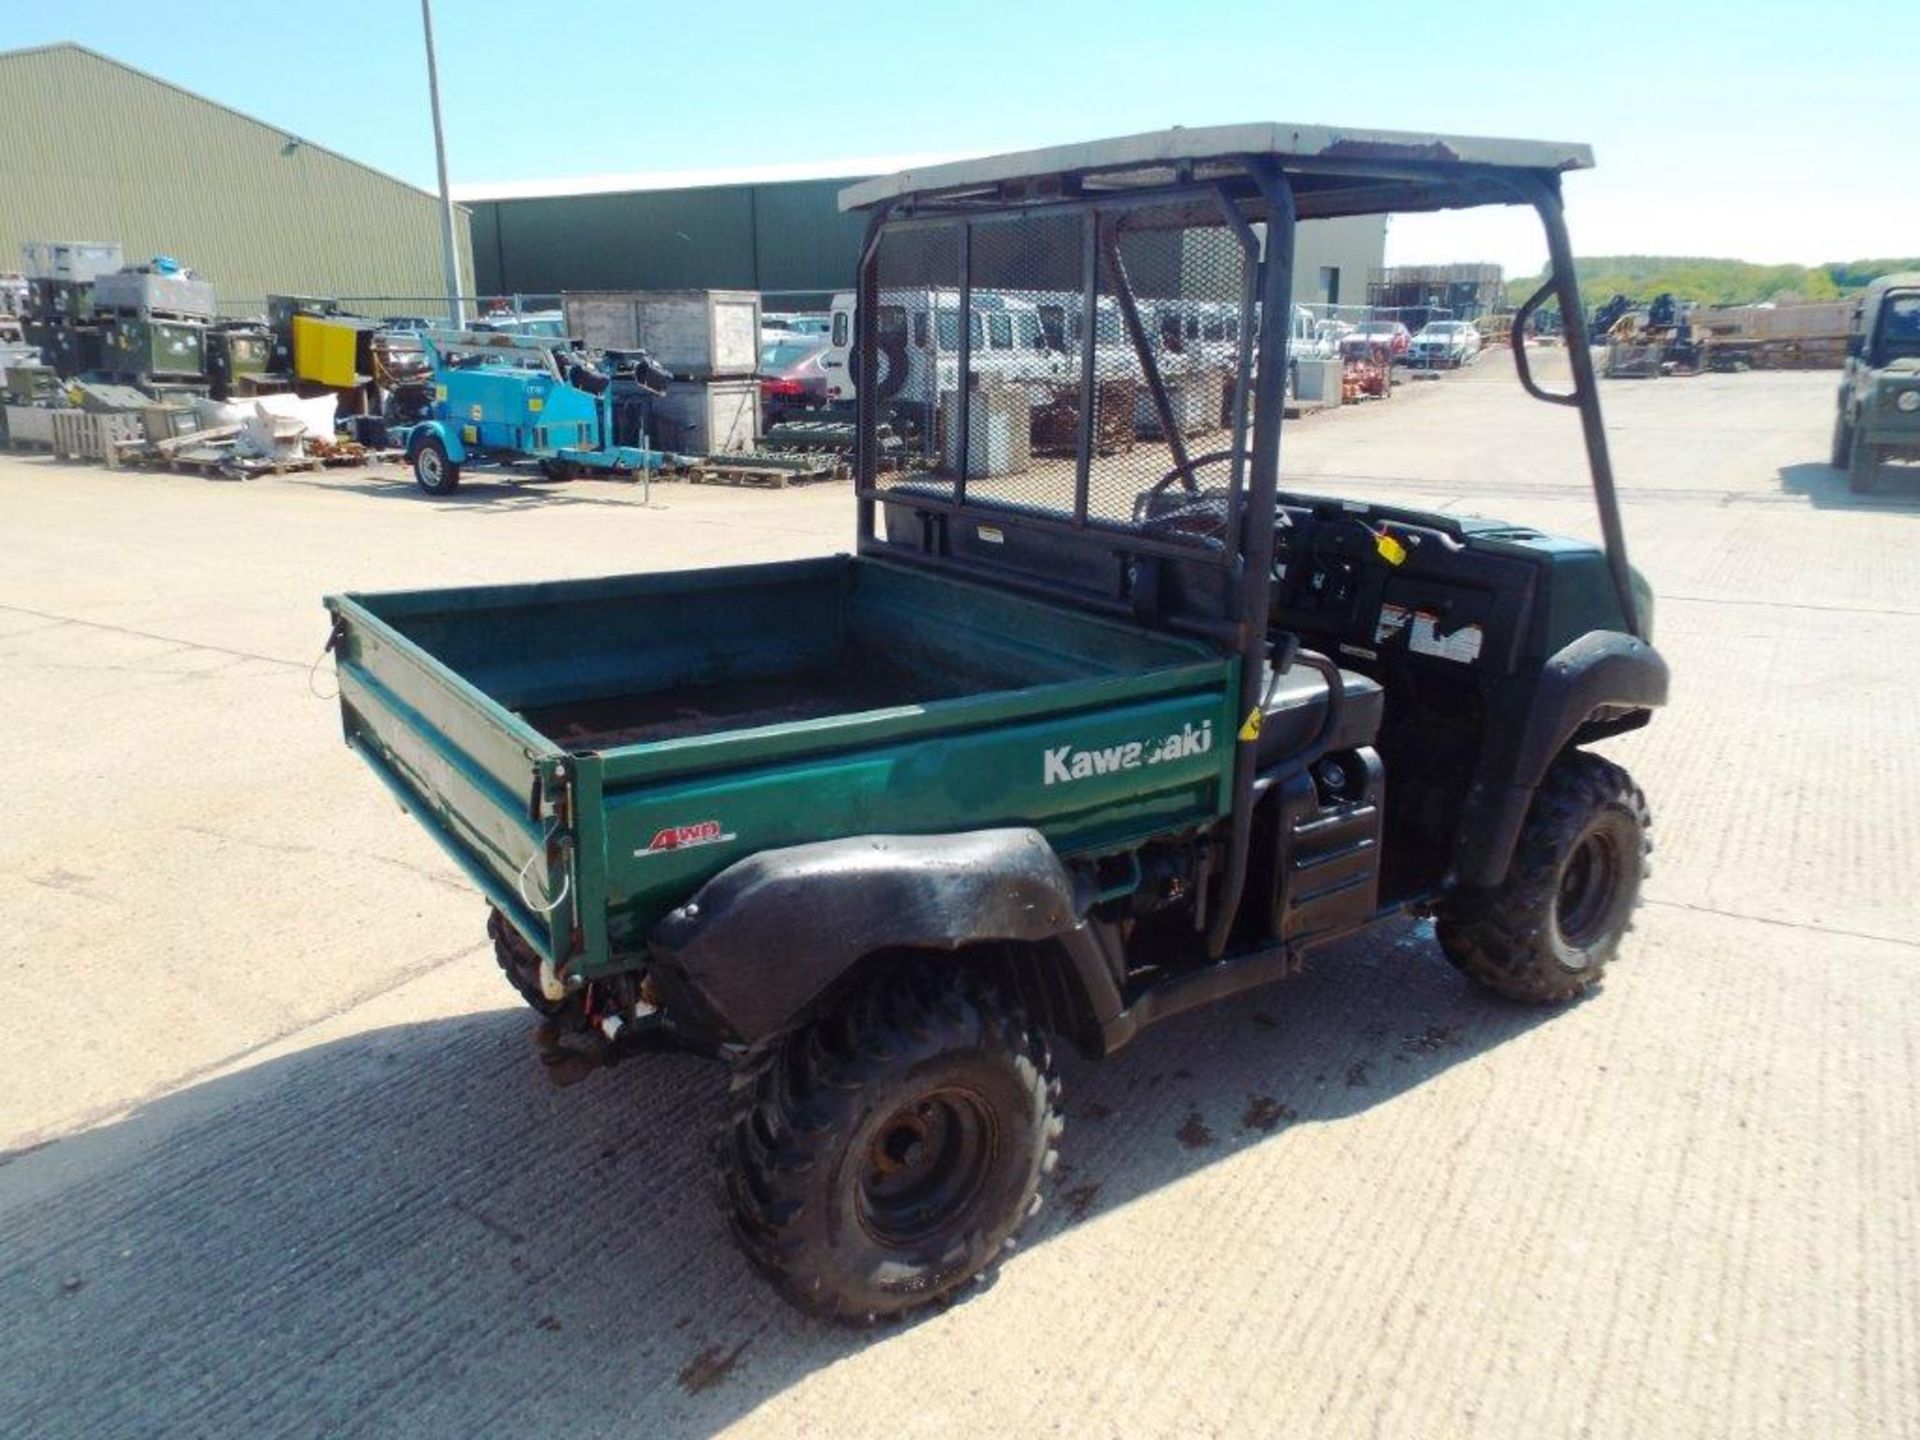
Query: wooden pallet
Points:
[716, 470]
[83, 435]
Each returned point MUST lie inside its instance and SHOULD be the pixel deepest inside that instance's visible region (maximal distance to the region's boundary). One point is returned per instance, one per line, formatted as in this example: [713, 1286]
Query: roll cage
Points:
[1182, 215]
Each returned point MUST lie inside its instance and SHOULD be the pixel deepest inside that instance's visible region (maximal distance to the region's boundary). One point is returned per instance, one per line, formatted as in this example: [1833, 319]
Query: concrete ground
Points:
[279, 1160]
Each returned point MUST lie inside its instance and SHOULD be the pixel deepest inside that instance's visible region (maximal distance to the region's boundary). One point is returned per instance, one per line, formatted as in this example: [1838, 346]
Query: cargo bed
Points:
[605, 746]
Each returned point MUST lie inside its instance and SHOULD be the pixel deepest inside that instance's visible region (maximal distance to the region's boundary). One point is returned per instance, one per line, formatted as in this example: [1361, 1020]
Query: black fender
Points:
[762, 939]
[1603, 683]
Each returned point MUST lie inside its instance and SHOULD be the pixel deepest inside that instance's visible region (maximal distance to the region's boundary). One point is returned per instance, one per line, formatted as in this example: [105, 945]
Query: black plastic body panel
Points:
[1604, 682]
[767, 935]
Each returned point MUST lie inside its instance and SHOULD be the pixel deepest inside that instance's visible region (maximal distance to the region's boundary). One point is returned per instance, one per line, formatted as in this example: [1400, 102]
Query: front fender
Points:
[1604, 673]
[448, 436]
[764, 937]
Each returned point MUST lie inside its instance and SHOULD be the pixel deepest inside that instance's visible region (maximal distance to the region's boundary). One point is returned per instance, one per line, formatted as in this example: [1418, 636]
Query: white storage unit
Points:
[697, 334]
[1319, 381]
[707, 417]
[1196, 400]
[1000, 431]
[29, 425]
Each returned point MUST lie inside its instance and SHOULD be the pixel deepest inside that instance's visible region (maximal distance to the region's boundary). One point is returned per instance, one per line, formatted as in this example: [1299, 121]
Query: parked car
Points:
[791, 323]
[1391, 334]
[1330, 334]
[1451, 343]
[791, 376]
[541, 324]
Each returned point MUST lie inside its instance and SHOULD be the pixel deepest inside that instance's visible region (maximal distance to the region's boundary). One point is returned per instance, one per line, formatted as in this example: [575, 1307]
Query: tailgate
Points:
[495, 794]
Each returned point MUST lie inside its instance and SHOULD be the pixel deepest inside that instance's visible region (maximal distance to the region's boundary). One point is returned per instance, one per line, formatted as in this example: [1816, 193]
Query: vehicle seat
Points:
[1297, 707]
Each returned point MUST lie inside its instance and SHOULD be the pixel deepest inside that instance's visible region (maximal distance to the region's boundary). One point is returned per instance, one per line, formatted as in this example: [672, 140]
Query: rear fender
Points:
[766, 936]
[1601, 684]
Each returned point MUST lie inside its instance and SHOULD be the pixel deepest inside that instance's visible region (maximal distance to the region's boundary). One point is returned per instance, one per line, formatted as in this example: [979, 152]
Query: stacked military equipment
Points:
[155, 319]
[240, 360]
[59, 311]
[91, 314]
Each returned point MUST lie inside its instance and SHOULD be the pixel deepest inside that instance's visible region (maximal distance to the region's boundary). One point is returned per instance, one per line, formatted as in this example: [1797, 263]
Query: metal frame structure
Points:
[1240, 176]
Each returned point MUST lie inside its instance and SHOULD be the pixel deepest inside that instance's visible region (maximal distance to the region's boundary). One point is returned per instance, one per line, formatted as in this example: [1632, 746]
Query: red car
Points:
[1397, 339]
[791, 377]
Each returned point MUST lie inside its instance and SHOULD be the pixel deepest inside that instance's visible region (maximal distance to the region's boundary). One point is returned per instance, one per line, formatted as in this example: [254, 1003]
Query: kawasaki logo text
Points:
[1068, 762]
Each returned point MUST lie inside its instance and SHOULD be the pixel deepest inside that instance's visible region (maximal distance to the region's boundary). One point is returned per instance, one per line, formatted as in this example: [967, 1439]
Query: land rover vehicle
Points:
[917, 344]
[1053, 755]
[1878, 415]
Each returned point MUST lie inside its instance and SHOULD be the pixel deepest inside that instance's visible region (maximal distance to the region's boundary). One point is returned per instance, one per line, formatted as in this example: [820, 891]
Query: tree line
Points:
[1716, 282]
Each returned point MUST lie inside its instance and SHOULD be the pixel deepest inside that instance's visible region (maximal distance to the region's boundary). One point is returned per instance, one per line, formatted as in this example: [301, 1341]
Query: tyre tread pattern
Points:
[795, 1099]
[1503, 940]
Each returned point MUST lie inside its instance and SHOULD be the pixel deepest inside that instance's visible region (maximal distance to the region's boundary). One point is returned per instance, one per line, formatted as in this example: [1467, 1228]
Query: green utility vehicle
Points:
[1879, 402]
[1079, 737]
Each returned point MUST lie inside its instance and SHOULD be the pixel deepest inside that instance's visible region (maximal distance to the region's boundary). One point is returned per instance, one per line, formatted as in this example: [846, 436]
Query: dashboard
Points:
[1375, 583]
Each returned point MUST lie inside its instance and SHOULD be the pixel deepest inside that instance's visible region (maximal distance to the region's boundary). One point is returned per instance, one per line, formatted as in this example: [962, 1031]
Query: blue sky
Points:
[1758, 129]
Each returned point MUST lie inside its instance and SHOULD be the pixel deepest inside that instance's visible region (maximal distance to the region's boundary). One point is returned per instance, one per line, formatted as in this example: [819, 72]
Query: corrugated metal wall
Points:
[93, 150]
[785, 235]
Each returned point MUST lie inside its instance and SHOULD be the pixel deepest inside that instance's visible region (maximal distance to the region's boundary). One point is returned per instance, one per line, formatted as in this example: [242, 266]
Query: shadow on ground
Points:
[485, 491]
[1826, 487]
[410, 1232]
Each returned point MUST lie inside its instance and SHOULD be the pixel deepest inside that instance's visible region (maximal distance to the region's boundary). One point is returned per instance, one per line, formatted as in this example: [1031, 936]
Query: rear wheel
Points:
[1546, 934]
[433, 472]
[885, 1153]
[519, 962]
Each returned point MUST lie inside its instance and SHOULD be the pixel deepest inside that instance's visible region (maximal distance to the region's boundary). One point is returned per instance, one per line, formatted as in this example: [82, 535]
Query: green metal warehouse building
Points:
[92, 149]
[744, 230]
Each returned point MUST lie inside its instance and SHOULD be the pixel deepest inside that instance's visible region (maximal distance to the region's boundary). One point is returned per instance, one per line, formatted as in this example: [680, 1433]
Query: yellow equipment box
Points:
[324, 351]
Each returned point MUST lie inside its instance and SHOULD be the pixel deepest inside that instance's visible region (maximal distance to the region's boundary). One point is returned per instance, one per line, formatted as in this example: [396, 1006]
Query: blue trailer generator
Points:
[501, 400]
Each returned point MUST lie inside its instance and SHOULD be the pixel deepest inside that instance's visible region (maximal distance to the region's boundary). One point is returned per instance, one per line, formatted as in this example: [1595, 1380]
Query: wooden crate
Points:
[79, 435]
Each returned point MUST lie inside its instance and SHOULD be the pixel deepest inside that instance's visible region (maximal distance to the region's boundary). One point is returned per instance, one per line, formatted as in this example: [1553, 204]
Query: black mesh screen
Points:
[1099, 353]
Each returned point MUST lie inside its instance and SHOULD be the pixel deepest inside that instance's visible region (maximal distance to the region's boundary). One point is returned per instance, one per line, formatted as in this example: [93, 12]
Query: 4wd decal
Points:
[1064, 763]
[685, 837]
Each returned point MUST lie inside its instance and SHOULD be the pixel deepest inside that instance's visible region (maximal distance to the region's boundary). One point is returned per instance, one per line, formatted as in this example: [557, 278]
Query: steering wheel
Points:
[1184, 474]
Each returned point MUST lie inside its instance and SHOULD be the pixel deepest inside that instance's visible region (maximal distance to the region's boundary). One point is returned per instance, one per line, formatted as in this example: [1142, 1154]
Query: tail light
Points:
[782, 389]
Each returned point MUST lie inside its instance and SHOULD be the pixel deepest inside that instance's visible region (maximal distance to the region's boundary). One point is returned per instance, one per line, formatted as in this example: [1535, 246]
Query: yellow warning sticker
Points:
[1250, 727]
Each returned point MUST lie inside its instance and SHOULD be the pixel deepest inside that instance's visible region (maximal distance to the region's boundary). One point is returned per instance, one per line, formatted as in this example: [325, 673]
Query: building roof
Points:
[626, 182]
[149, 76]
[1394, 170]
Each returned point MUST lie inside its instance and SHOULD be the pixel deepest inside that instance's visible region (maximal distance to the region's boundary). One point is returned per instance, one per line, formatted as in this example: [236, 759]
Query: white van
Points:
[918, 333]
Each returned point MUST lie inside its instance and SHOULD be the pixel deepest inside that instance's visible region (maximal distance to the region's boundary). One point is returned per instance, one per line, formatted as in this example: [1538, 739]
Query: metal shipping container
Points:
[79, 260]
[708, 417]
[697, 334]
[145, 293]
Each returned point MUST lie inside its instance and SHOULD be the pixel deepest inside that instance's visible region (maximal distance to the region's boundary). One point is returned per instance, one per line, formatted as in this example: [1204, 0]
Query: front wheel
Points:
[1546, 934]
[1842, 455]
[433, 472]
[1863, 467]
[885, 1153]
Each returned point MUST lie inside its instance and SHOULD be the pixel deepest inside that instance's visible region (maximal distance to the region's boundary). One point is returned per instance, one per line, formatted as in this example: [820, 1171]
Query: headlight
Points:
[1908, 400]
